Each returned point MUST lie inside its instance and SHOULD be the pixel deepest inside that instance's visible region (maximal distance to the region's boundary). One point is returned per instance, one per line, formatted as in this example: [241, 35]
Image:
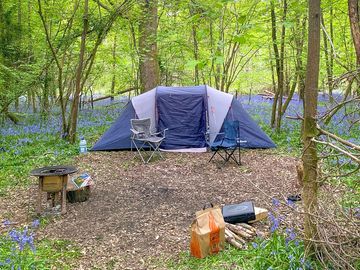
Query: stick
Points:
[246, 229]
[350, 155]
[230, 233]
[233, 242]
[247, 226]
[237, 230]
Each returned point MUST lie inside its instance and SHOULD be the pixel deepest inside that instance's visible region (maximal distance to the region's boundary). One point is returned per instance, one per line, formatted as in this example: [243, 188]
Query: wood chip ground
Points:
[139, 215]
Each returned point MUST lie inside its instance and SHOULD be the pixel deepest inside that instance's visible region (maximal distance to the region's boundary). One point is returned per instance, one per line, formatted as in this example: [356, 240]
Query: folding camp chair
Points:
[228, 142]
[143, 138]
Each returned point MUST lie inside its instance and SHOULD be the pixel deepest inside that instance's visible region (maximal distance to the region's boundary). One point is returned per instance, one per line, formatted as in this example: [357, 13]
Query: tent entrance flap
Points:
[185, 118]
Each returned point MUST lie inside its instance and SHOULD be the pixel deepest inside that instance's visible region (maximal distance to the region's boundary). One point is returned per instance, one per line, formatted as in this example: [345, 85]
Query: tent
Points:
[188, 113]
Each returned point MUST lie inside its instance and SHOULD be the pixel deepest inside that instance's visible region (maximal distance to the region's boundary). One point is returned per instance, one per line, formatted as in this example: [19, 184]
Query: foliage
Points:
[20, 250]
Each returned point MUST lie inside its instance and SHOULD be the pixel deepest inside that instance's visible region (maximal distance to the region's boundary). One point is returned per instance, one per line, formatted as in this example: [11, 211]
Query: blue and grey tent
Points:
[188, 113]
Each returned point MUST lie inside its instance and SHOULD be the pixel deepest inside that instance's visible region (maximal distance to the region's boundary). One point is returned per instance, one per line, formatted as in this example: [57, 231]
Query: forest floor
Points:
[139, 215]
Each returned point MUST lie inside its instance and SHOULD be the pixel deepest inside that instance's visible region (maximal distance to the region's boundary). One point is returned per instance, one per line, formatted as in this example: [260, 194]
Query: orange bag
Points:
[207, 232]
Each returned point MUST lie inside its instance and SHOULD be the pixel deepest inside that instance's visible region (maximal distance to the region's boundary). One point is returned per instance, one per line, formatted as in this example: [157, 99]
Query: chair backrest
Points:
[231, 130]
[143, 126]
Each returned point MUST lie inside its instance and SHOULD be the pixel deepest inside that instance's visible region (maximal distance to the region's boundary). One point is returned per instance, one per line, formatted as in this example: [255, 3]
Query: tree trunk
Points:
[79, 72]
[196, 55]
[310, 159]
[149, 65]
[277, 60]
[355, 28]
[112, 91]
[327, 59]
[281, 69]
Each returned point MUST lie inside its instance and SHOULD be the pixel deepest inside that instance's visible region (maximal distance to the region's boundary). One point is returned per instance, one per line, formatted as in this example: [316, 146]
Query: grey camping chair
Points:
[143, 138]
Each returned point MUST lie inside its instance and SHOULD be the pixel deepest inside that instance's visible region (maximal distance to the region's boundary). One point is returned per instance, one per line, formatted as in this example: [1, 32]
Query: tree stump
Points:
[78, 195]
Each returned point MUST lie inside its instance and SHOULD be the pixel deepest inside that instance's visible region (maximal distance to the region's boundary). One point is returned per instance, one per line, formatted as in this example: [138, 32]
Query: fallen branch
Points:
[110, 96]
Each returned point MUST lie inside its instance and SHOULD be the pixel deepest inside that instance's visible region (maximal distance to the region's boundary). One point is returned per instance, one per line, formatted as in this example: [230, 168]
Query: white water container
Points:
[82, 145]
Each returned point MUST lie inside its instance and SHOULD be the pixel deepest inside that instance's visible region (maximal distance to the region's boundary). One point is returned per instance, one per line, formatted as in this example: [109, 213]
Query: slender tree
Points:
[79, 71]
[310, 159]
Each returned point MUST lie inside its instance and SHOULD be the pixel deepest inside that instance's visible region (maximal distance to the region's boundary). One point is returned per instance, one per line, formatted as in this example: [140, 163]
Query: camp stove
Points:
[53, 180]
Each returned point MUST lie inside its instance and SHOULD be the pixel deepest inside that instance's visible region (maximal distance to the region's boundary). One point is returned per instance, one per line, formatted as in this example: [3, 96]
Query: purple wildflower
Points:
[275, 202]
[275, 222]
[35, 223]
[291, 235]
[6, 222]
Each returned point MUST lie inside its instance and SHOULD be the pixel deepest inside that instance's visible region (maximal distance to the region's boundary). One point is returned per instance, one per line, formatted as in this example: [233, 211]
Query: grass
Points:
[262, 254]
[20, 250]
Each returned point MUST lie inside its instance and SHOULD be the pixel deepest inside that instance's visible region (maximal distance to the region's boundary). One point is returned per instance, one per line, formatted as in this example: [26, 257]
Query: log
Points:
[233, 242]
[235, 229]
[247, 226]
[230, 233]
[251, 232]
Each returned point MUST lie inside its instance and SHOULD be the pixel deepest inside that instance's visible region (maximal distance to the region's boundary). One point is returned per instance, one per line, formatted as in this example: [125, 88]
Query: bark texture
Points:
[355, 28]
[149, 65]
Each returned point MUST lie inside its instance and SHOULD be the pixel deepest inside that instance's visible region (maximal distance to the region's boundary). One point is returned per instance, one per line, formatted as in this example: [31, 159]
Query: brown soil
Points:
[138, 215]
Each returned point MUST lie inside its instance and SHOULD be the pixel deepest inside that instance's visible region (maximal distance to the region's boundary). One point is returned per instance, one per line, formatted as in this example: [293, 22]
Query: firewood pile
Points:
[239, 234]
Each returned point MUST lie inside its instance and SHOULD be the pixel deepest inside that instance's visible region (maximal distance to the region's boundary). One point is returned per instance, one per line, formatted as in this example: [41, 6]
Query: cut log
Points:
[251, 232]
[260, 214]
[247, 226]
[238, 238]
[233, 242]
[235, 229]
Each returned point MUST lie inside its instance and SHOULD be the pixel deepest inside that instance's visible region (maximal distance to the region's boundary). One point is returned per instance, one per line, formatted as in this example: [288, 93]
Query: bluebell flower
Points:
[274, 222]
[291, 235]
[255, 245]
[35, 223]
[275, 202]
[6, 222]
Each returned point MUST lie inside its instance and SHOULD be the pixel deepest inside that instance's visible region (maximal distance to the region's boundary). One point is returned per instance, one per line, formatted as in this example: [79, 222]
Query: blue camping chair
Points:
[227, 142]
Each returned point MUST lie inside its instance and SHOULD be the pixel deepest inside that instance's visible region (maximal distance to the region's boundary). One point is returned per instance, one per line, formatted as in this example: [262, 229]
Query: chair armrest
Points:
[162, 132]
[135, 132]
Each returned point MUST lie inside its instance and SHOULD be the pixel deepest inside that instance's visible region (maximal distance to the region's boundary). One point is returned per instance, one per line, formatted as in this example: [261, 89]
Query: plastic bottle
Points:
[83, 148]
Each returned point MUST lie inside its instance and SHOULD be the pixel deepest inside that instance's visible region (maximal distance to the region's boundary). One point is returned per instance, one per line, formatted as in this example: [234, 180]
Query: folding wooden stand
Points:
[53, 180]
[53, 185]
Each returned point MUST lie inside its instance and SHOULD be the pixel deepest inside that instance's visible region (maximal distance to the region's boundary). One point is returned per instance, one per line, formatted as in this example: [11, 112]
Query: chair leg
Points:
[155, 148]
[213, 155]
[233, 157]
[139, 151]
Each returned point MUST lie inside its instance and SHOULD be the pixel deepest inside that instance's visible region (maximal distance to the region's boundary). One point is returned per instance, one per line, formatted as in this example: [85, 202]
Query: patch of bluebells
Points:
[20, 245]
[35, 123]
[260, 108]
[282, 248]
